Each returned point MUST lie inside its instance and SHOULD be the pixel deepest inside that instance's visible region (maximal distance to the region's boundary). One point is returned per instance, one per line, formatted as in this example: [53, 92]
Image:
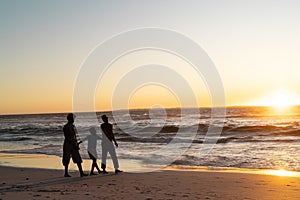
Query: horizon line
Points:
[121, 109]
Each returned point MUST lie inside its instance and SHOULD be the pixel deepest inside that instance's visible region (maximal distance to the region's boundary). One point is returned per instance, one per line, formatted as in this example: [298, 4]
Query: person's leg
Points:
[93, 162]
[113, 154]
[66, 171]
[66, 160]
[96, 165]
[80, 170]
[104, 156]
[92, 169]
[77, 159]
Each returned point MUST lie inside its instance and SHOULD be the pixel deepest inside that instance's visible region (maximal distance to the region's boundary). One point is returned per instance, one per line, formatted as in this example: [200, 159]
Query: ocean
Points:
[250, 137]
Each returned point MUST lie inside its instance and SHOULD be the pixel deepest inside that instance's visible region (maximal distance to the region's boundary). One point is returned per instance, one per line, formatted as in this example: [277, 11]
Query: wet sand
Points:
[29, 183]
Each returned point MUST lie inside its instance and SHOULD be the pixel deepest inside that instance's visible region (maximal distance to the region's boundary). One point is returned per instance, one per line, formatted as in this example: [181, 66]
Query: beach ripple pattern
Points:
[105, 54]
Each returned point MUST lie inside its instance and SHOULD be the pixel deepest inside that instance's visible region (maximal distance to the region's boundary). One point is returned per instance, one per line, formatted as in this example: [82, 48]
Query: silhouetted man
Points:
[71, 146]
[107, 145]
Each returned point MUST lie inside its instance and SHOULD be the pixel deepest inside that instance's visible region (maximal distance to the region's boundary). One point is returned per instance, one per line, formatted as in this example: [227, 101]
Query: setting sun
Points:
[280, 100]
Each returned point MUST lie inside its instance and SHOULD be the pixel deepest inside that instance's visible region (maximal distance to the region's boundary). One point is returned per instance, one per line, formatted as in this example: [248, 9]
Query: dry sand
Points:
[28, 183]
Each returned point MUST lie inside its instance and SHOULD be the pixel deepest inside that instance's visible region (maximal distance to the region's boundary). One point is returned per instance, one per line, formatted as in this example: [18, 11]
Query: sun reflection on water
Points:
[282, 172]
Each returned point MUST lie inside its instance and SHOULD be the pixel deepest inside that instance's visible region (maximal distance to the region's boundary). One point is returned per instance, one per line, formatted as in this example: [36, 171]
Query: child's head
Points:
[93, 130]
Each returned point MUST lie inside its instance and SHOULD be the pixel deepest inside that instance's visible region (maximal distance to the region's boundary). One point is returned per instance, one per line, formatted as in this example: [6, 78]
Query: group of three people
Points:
[71, 146]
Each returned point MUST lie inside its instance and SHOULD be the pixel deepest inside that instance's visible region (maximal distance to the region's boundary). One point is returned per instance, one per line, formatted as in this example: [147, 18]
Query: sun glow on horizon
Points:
[281, 100]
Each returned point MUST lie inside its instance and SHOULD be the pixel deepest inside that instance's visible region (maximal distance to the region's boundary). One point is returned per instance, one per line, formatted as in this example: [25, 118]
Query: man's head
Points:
[104, 118]
[70, 117]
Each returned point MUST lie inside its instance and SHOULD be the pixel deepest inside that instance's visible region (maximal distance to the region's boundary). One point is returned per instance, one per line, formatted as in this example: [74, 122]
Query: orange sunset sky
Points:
[255, 46]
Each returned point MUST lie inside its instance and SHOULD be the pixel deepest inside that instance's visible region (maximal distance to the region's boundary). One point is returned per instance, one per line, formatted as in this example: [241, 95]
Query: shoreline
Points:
[25, 182]
[52, 162]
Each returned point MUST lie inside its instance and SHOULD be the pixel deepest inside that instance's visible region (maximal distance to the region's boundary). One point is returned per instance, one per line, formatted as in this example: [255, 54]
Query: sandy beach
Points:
[30, 183]
[174, 99]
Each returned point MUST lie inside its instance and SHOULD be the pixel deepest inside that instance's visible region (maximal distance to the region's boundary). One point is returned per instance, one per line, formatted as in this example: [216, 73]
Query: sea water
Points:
[251, 137]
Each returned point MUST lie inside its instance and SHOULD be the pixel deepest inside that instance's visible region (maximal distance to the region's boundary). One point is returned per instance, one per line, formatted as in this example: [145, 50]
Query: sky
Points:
[254, 44]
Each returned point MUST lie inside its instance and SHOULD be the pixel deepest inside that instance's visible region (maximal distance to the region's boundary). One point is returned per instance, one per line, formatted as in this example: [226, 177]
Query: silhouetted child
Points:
[92, 151]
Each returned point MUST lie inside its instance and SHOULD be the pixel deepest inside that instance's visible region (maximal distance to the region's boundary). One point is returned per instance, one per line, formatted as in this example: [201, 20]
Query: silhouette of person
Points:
[71, 146]
[92, 148]
[107, 145]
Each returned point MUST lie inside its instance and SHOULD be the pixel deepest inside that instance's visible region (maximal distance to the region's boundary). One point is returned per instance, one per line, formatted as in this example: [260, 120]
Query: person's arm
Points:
[98, 137]
[75, 137]
[107, 130]
[113, 136]
[84, 139]
[115, 141]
